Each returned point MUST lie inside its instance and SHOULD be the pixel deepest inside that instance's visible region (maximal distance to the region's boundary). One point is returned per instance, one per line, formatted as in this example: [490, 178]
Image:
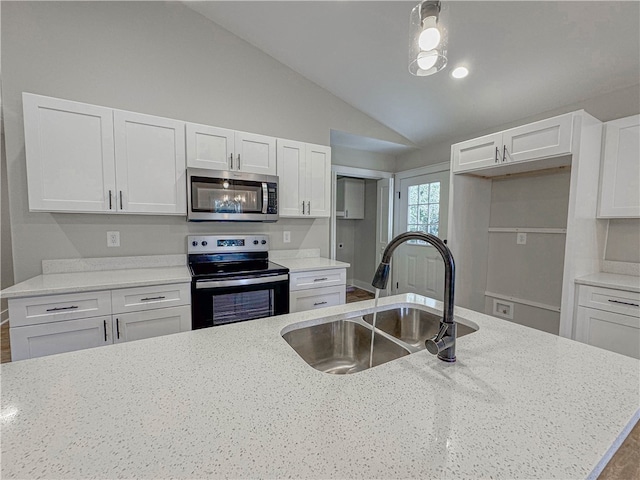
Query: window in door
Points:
[423, 209]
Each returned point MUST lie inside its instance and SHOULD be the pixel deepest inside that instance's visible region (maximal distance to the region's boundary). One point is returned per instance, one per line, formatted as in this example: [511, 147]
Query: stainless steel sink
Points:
[342, 347]
[411, 325]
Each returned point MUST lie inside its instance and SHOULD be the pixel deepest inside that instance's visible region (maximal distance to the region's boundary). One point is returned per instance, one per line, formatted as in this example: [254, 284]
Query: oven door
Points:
[218, 302]
[220, 195]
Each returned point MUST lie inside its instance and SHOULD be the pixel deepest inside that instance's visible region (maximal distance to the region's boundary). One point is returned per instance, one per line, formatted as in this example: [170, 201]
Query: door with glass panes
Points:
[422, 206]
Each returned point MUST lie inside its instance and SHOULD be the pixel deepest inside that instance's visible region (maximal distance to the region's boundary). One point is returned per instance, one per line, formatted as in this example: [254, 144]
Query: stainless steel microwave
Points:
[218, 195]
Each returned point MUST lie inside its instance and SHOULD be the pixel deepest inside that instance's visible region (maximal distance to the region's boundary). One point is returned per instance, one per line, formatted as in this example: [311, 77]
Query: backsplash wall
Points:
[158, 58]
[623, 240]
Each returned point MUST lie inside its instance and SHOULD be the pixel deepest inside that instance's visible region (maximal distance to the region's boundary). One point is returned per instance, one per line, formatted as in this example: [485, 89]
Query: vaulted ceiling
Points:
[524, 57]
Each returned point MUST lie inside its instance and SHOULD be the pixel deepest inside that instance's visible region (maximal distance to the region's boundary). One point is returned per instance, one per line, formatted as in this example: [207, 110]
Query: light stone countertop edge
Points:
[615, 281]
[309, 264]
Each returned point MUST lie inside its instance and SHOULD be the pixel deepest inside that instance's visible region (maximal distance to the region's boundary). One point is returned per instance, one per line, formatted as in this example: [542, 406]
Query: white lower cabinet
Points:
[151, 323]
[52, 324]
[58, 337]
[609, 319]
[317, 289]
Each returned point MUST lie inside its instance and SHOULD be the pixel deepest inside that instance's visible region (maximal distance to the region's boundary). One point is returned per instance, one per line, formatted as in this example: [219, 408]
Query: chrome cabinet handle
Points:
[497, 155]
[346, 214]
[117, 328]
[58, 309]
[624, 303]
[231, 162]
[303, 208]
[319, 303]
[110, 203]
[309, 208]
[238, 161]
[320, 279]
[104, 323]
[504, 154]
[152, 298]
[121, 207]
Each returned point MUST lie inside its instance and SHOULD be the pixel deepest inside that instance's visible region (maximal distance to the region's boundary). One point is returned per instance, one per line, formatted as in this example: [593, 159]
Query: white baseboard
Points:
[362, 285]
[4, 316]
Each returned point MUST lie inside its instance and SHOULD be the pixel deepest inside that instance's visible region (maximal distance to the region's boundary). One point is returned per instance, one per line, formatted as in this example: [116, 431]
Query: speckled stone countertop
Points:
[308, 264]
[629, 283]
[58, 283]
[237, 401]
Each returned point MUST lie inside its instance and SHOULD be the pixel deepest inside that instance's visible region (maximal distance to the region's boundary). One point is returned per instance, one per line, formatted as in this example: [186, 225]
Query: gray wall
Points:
[365, 236]
[6, 262]
[623, 240]
[350, 157]
[161, 59]
[345, 236]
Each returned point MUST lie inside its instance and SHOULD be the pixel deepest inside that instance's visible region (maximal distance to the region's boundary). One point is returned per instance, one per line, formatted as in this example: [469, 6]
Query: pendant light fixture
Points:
[428, 39]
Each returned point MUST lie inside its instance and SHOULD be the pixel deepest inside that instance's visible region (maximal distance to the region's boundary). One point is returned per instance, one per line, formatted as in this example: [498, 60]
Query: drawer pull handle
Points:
[624, 303]
[321, 279]
[152, 298]
[319, 303]
[118, 327]
[58, 309]
[104, 323]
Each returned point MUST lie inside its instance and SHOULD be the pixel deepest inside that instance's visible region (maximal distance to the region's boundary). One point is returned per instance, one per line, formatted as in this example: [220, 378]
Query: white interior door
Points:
[423, 206]
[384, 221]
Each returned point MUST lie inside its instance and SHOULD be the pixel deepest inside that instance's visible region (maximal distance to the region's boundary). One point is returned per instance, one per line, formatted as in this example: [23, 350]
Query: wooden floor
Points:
[4, 343]
[625, 464]
[355, 294]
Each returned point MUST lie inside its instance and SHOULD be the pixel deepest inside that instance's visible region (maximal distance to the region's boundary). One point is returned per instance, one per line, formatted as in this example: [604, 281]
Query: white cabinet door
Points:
[547, 138]
[255, 153]
[477, 153]
[209, 147]
[151, 323]
[59, 337]
[620, 173]
[611, 331]
[318, 180]
[150, 164]
[291, 157]
[70, 155]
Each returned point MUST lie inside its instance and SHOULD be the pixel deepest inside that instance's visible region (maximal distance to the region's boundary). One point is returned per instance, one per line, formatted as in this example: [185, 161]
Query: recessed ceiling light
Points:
[460, 72]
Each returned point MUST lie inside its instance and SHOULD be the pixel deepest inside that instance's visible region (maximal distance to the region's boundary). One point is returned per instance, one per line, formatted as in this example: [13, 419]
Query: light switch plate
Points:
[286, 236]
[521, 238]
[113, 239]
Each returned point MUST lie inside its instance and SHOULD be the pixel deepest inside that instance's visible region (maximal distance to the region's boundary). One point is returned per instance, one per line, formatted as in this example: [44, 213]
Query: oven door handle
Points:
[265, 197]
[239, 282]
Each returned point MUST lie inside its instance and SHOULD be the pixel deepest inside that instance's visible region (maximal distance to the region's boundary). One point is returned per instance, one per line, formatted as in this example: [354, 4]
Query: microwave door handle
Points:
[265, 197]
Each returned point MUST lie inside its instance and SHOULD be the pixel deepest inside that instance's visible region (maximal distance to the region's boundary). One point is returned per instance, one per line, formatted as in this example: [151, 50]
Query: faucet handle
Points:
[440, 342]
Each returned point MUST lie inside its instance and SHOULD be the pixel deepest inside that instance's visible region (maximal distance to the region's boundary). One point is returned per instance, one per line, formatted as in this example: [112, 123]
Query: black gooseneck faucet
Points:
[444, 343]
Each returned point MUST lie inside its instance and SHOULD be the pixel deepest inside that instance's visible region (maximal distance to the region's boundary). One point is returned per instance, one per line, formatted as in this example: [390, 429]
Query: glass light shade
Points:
[460, 72]
[422, 28]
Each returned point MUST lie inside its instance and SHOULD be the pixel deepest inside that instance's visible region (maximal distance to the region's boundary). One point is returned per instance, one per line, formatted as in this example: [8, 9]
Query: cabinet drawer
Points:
[317, 278]
[55, 308]
[147, 298]
[610, 300]
[611, 331]
[312, 299]
[153, 323]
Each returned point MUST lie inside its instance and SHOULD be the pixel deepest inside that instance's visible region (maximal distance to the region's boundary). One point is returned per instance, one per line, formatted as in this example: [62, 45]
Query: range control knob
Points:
[263, 242]
[204, 243]
[194, 243]
[255, 242]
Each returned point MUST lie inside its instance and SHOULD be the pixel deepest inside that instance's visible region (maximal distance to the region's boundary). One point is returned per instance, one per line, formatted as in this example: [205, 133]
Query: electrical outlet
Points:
[503, 309]
[286, 236]
[113, 239]
[521, 238]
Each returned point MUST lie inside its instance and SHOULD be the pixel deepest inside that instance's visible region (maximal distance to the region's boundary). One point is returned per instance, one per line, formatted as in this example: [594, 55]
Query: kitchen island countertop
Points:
[237, 401]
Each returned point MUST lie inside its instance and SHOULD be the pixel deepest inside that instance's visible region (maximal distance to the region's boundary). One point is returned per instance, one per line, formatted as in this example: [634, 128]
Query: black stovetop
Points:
[217, 266]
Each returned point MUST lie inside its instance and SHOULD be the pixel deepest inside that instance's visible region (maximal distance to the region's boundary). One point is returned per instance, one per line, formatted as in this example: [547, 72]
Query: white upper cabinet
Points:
[318, 176]
[70, 155]
[291, 163]
[534, 141]
[85, 158]
[221, 149]
[150, 164]
[477, 153]
[620, 173]
[255, 153]
[350, 198]
[304, 172]
[209, 147]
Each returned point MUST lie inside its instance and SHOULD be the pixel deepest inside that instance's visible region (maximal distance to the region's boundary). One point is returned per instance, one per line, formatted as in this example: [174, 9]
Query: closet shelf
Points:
[522, 301]
[561, 231]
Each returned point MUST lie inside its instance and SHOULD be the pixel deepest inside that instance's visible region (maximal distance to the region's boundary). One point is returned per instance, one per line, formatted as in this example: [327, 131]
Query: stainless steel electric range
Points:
[233, 280]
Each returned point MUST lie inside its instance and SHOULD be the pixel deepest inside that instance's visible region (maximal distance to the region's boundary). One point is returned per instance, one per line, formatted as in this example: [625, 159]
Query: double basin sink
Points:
[343, 346]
